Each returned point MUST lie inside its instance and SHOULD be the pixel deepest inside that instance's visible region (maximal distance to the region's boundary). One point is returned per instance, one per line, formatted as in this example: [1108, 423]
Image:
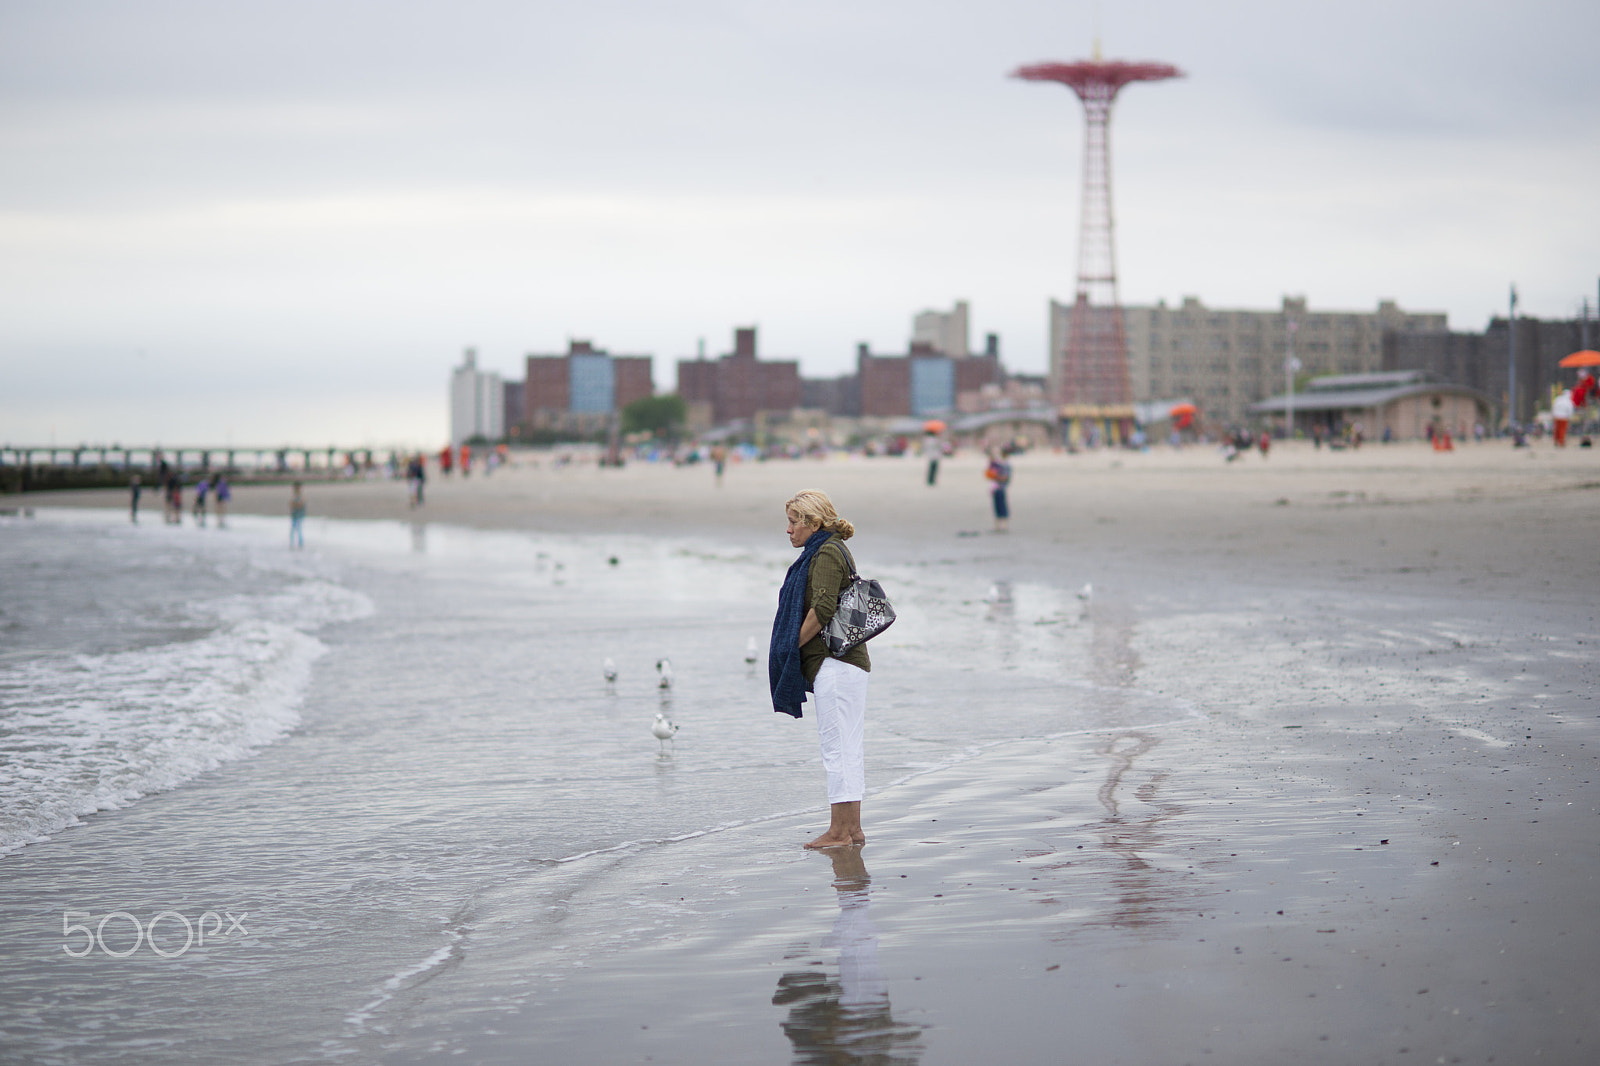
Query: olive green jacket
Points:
[830, 569]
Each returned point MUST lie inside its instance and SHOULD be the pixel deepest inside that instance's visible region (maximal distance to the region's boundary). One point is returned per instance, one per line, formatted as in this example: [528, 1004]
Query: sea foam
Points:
[86, 732]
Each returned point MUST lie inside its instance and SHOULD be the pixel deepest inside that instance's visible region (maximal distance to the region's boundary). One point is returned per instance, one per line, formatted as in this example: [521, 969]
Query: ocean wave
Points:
[137, 668]
[90, 733]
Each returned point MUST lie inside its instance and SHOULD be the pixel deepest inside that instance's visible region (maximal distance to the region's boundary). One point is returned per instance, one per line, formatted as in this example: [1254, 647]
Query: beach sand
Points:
[1375, 840]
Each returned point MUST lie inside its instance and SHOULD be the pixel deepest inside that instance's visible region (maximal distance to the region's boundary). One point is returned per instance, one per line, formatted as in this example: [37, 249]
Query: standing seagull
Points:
[751, 655]
[664, 668]
[663, 729]
[610, 670]
[1087, 592]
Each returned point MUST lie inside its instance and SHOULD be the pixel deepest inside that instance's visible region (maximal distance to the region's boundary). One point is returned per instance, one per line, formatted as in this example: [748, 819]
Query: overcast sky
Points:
[263, 222]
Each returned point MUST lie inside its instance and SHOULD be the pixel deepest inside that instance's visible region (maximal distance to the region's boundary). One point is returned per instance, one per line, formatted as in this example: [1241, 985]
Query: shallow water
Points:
[391, 769]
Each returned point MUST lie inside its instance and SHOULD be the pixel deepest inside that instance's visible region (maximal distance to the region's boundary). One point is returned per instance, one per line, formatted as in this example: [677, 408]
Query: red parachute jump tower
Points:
[1093, 371]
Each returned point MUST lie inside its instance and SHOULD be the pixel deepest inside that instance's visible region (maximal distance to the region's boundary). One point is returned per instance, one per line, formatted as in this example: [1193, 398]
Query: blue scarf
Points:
[784, 673]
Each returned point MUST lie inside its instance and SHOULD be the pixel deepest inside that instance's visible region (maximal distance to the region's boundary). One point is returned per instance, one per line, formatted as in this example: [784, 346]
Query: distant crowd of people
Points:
[208, 492]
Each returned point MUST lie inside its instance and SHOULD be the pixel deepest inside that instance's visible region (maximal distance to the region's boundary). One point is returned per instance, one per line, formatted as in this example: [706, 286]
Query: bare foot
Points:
[828, 840]
[858, 838]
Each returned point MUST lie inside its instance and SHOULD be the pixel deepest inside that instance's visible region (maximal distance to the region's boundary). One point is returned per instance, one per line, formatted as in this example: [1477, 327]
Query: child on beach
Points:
[200, 492]
[999, 475]
[223, 494]
[297, 518]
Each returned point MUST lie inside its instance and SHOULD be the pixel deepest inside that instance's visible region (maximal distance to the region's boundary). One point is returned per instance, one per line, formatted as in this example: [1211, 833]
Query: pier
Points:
[34, 467]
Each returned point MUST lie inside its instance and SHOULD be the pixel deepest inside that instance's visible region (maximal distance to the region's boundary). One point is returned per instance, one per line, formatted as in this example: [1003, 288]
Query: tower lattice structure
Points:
[1094, 367]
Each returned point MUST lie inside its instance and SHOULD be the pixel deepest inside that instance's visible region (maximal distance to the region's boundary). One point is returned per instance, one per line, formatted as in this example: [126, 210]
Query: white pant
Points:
[841, 702]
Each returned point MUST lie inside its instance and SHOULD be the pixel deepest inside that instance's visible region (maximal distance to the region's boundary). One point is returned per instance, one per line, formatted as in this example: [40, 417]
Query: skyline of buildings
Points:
[1222, 359]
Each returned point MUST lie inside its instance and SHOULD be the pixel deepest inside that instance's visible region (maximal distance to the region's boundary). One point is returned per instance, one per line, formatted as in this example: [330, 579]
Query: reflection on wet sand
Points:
[1142, 888]
[846, 1020]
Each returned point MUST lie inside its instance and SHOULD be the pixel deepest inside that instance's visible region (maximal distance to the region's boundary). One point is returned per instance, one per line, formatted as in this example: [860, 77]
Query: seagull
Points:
[750, 652]
[663, 729]
[1086, 592]
[610, 670]
[664, 668]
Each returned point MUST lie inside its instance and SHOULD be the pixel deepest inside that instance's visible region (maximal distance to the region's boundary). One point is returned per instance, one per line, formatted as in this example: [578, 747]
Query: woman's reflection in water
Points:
[846, 1020]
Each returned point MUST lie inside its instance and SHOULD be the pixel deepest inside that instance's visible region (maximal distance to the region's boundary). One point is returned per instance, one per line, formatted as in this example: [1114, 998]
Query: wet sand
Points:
[1375, 841]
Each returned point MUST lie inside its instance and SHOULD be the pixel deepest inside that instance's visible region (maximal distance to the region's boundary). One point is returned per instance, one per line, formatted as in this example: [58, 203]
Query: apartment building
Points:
[738, 385]
[582, 387]
[477, 401]
[945, 332]
[1481, 360]
[1227, 359]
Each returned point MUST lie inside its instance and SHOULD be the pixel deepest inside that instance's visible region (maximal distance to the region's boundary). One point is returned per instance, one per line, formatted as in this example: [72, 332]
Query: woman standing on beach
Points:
[297, 518]
[798, 661]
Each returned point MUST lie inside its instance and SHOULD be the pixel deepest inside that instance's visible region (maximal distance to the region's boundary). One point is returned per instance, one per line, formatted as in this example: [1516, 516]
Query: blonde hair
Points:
[812, 507]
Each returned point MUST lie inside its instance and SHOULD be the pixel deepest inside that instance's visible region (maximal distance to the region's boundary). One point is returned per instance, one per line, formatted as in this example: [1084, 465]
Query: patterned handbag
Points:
[864, 612]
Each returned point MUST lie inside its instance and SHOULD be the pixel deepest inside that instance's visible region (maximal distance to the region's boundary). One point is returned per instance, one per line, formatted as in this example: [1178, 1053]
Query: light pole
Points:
[1291, 366]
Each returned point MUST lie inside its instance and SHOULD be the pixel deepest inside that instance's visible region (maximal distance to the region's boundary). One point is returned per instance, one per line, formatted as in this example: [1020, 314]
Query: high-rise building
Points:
[1225, 360]
[477, 402]
[943, 331]
[581, 388]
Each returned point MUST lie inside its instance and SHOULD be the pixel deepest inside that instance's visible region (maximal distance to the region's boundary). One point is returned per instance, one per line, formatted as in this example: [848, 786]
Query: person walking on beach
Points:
[798, 660]
[224, 493]
[932, 450]
[999, 475]
[417, 475]
[175, 500]
[297, 518]
[134, 488]
[200, 492]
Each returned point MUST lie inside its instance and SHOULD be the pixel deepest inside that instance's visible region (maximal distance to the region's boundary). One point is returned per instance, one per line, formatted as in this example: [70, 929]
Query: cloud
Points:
[258, 190]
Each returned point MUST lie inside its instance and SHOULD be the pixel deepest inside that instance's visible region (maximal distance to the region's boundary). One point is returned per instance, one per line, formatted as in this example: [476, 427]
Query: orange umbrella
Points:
[1587, 357]
[1183, 409]
[933, 425]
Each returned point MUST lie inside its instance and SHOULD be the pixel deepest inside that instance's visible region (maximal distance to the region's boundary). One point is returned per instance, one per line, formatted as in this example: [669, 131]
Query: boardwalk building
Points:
[1385, 405]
